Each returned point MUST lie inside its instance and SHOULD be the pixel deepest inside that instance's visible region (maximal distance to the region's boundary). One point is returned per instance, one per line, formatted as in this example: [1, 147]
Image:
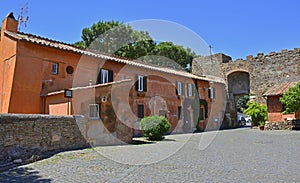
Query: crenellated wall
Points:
[264, 71]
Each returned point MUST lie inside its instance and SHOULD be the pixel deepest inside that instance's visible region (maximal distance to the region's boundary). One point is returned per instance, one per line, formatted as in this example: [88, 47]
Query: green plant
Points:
[154, 127]
[258, 112]
[291, 99]
[261, 123]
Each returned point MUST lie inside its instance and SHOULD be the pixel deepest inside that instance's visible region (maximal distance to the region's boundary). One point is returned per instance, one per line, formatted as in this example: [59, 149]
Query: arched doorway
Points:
[238, 90]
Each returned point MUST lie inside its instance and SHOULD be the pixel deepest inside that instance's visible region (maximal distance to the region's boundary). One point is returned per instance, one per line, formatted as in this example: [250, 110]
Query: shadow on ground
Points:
[21, 174]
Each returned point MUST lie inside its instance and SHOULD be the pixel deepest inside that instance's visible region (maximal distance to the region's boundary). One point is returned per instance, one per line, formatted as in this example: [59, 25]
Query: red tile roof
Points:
[68, 47]
[279, 89]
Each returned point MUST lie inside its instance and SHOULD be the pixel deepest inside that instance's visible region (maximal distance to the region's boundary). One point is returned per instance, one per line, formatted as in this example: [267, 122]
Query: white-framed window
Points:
[94, 111]
[54, 69]
[211, 93]
[141, 84]
[190, 90]
[179, 88]
[104, 76]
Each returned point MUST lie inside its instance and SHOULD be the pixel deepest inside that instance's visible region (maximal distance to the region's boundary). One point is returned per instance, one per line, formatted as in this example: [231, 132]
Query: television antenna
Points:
[23, 18]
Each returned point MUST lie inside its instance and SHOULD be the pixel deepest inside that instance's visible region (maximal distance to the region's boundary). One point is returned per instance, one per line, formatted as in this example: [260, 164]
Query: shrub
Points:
[258, 112]
[154, 127]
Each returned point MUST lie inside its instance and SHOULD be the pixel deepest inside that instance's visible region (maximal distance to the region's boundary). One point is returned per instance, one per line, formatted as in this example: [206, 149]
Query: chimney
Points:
[10, 23]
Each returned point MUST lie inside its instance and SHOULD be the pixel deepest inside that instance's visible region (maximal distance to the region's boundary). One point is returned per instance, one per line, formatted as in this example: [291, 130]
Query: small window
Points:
[190, 90]
[211, 93]
[54, 69]
[141, 84]
[179, 88]
[94, 111]
[70, 70]
[201, 114]
[105, 76]
[179, 112]
[140, 111]
[163, 113]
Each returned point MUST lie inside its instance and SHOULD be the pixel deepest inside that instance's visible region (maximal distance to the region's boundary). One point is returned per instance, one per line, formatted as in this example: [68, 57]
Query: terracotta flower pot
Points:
[262, 127]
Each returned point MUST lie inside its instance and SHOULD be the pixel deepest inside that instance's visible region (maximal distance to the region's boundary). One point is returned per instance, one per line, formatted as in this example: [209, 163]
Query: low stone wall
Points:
[285, 125]
[22, 136]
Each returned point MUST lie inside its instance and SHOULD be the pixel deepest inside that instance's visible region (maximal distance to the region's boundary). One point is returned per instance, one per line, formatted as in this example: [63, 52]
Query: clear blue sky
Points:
[235, 27]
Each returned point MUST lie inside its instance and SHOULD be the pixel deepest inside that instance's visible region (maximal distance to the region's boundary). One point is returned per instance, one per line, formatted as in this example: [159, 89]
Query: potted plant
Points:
[262, 125]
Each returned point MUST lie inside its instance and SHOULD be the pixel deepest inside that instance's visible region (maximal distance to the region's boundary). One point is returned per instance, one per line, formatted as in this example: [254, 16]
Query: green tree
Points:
[179, 54]
[291, 99]
[115, 38]
[241, 103]
[258, 113]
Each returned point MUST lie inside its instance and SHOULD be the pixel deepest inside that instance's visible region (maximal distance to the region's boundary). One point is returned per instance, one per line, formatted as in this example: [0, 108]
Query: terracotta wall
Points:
[275, 109]
[8, 56]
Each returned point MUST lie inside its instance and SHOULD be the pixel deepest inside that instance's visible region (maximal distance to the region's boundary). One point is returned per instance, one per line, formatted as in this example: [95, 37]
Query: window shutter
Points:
[145, 83]
[137, 82]
[183, 89]
[99, 78]
[110, 76]
[176, 88]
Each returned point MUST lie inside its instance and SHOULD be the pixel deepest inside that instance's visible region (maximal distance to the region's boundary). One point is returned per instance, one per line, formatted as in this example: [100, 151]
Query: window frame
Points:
[141, 83]
[190, 92]
[105, 76]
[140, 114]
[179, 112]
[54, 70]
[211, 93]
[179, 88]
[97, 116]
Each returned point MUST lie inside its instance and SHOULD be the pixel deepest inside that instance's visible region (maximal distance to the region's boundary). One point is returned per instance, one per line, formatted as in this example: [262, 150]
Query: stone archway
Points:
[238, 85]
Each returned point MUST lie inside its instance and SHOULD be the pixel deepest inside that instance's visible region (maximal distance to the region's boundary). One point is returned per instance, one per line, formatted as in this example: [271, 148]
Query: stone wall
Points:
[21, 135]
[264, 70]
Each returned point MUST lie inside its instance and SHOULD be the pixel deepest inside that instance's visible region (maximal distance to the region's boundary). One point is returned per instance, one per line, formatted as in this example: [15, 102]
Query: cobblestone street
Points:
[240, 155]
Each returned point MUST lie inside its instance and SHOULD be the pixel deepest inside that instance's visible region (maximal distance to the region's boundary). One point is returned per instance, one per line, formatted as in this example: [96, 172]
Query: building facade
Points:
[274, 106]
[43, 76]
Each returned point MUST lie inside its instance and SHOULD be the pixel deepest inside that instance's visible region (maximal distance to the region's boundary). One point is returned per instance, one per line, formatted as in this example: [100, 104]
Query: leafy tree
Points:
[115, 38]
[241, 104]
[291, 99]
[183, 56]
[258, 113]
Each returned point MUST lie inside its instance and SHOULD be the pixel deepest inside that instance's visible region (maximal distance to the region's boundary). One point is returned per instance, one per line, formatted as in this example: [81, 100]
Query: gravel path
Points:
[240, 155]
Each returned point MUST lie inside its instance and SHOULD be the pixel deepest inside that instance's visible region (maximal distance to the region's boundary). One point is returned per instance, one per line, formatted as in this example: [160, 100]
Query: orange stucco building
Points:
[35, 72]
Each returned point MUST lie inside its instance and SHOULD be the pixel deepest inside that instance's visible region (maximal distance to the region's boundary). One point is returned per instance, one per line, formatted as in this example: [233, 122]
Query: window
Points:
[105, 76]
[141, 84]
[211, 93]
[94, 111]
[140, 110]
[70, 70]
[163, 113]
[179, 112]
[190, 90]
[179, 88]
[54, 69]
[201, 115]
